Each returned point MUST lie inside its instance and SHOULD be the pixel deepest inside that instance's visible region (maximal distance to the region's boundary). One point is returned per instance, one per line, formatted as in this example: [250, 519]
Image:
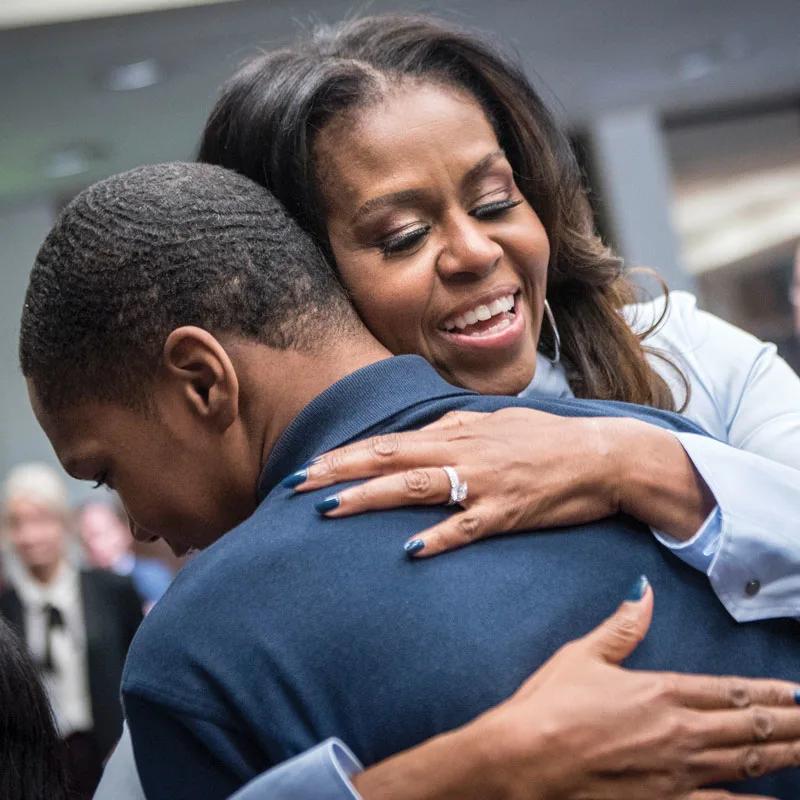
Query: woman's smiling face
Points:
[438, 248]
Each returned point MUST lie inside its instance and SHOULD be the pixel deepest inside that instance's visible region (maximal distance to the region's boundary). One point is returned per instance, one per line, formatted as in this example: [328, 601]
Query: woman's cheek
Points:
[393, 321]
[392, 299]
[389, 325]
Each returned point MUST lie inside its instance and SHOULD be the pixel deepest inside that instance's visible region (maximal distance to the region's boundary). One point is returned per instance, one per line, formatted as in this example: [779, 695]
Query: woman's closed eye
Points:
[493, 210]
[404, 241]
[409, 239]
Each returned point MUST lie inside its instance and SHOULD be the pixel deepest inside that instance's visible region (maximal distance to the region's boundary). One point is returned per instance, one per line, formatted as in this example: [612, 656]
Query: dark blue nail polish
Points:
[797, 696]
[638, 589]
[311, 462]
[295, 479]
[413, 547]
[328, 504]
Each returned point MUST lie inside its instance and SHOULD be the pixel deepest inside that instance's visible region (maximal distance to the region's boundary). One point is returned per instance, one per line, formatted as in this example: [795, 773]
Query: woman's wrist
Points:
[465, 764]
[656, 481]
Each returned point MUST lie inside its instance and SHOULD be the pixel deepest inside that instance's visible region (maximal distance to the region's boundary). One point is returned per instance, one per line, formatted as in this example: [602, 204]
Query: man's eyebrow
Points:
[404, 197]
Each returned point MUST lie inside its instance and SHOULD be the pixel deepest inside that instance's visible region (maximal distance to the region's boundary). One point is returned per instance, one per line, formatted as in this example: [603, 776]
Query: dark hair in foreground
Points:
[139, 254]
[265, 123]
[31, 753]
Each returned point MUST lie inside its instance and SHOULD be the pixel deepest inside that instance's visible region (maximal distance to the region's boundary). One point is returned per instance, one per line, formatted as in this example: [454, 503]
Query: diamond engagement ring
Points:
[458, 489]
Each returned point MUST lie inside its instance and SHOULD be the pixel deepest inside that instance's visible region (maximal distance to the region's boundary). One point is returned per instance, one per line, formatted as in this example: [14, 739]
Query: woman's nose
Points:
[468, 251]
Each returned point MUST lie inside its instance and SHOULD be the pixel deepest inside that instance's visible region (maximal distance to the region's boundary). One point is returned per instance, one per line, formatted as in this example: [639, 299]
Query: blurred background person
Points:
[108, 544]
[77, 623]
[32, 759]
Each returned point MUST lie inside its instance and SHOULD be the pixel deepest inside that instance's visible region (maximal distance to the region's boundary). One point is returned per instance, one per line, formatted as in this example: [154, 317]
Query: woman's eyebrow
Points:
[411, 196]
[404, 197]
[474, 174]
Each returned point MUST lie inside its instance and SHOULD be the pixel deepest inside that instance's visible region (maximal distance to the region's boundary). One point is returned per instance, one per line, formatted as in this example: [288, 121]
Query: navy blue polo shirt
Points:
[292, 628]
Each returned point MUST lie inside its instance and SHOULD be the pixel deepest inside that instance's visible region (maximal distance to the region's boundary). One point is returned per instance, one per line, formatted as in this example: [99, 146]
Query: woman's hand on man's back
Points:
[582, 727]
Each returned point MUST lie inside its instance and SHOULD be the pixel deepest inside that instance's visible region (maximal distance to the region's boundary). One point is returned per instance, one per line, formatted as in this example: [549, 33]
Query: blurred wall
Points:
[22, 229]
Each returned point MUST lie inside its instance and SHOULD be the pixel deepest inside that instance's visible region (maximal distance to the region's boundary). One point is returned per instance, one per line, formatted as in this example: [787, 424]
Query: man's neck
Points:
[283, 382]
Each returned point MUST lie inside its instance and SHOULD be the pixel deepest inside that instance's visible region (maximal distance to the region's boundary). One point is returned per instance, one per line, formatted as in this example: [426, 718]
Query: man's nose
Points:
[468, 252]
[139, 534]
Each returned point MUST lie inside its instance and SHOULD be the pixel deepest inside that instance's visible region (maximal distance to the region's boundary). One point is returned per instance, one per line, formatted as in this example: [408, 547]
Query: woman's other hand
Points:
[524, 469]
[583, 727]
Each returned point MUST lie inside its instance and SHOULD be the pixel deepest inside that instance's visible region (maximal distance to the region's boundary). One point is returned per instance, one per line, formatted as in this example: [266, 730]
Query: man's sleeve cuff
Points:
[322, 773]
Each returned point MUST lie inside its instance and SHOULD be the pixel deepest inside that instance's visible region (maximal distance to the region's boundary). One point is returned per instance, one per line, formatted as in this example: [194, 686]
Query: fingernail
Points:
[295, 479]
[328, 504]
[413, 547]
[311, 462]
[638, 589]
[797, 696]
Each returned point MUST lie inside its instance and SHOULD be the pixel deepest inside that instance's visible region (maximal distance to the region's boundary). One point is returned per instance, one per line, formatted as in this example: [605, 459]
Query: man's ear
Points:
[205, 373]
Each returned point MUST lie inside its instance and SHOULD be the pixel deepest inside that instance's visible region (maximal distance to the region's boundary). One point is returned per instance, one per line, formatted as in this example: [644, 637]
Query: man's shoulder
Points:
[205, 591]
[161, 650]
[186, 646]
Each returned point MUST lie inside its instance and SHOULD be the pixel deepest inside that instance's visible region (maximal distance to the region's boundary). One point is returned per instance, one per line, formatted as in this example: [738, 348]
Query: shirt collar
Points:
[59, 592]
[549, 380]
[351, 407]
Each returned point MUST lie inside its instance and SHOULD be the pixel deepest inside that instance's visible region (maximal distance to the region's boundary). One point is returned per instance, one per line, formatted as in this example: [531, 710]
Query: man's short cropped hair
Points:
[135, 256]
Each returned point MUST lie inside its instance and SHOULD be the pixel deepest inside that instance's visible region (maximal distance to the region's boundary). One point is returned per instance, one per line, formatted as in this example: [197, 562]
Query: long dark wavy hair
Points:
[31, 753]
[268, 115]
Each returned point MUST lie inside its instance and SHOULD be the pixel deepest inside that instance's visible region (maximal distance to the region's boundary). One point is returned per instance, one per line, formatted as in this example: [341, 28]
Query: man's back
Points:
[292, 628]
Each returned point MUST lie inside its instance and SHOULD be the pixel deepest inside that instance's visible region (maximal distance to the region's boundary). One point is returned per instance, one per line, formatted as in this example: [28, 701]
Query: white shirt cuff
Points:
[322, 773]
[699, 551]
[755, 557]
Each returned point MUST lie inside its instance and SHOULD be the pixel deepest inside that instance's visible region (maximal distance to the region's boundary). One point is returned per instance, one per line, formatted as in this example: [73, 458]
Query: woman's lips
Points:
[502, 330]
[480, 313]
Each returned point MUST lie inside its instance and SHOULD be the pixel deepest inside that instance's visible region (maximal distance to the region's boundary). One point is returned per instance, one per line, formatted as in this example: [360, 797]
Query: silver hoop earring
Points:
[548, 312]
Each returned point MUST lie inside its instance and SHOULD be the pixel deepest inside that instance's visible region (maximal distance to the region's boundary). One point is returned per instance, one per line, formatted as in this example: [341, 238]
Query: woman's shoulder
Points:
[719, 360]
[674, 322]
[670, 325]
[674, 314]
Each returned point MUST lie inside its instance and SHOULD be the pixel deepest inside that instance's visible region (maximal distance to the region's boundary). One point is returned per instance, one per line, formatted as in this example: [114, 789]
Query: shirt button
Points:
[752, 588]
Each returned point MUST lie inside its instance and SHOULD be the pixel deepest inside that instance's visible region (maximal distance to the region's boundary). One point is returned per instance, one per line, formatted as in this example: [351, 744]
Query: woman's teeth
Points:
[502, 325]
[481, 314]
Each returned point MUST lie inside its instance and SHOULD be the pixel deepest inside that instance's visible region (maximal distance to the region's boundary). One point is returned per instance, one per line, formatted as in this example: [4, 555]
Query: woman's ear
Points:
[203, 373]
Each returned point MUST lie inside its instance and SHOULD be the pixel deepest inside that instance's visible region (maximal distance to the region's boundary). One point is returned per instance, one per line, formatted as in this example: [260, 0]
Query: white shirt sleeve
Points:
[750, 550]
[321, 773]
[744, 394]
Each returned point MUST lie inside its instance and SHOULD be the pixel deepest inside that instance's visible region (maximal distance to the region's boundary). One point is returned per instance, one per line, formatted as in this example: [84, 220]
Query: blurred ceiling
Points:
[736, 190]
[62, 126]
[21, 13]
